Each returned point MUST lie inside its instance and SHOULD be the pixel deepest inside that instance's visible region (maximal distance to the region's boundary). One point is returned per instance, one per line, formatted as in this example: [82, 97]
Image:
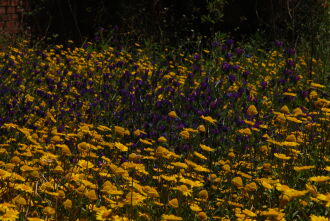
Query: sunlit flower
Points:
[121, 146]
[237, 181]
[10, 215]
[206, 148]
[282, 156]
[49, 211]
[195, 208]
[184, 134]
[209, 119]
[245, 131]
[172, 114]
[202, 216]
[67, 204]
[184, 190]
[174, 203]
[162, 139]
[318, 218]
[249, 213]
[201, 128]
[203, 194]
[252, 110]
[251, 187]
[319, 178]
[170, 217]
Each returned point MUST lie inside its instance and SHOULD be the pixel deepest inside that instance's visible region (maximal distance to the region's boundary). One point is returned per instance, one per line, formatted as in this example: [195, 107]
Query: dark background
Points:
[174, 21]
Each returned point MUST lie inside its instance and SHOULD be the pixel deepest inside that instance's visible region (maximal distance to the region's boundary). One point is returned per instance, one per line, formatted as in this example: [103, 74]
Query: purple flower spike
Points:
[197, 57]
[239, 51]
[215, 44]
[226, 66]
[230, 42]
[279, 44]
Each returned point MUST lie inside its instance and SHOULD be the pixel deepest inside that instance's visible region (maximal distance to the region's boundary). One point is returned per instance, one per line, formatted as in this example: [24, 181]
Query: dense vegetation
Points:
[132, 134]
[154, 112]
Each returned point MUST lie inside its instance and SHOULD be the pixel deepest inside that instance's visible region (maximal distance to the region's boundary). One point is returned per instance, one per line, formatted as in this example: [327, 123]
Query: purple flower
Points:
[228, 55]
[246, 74]
[235, 67]
[263, 84]
[288, 72]
[197, 57]
[290, 62]
[231, 78]
[226, 66]
[215, 44]
[279, 44]
[239, 51]
[290, 51]
[230, 42]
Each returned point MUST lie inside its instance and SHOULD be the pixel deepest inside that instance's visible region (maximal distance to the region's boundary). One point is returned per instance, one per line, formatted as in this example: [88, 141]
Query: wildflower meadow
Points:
[223, 133]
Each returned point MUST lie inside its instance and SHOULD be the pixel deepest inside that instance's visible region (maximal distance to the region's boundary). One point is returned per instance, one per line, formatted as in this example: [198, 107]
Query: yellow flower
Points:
[203, 194]
[65, 149]
[266, 185]
[34, 219]
[138, 132]
[285, 110]
[184, 134]
[249, 213]
[202, 216]
[206, 148]
[209, 119]
[19, 201]
[194, 207]
[201, 128]
[4, 174]
[313, 94]
[252, 110]
[184, 190]
[317, 85]
[174, 203]
[251, 187]
[58, 169]
[85, 164]
[319, 178]
[273, 213]
[237, 181]
[298, 112]
[48, 211]
[282, 156]
[67, 204]
[293, 119]
[121, 147]
[290, 94]
[296, 168]
[10, 215]
[245, 131]
[318, 218]
[325, 197]
[291, 138]
[103, 214]
[172, 114]
[91, 195]
[134, 198]
[170, 217]
[180, 165]
[150, 191]
[145, 141]
[24, 187]
[199, 155]
[121, 131]
[162, 139]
